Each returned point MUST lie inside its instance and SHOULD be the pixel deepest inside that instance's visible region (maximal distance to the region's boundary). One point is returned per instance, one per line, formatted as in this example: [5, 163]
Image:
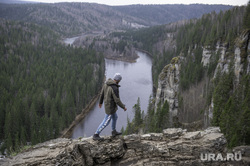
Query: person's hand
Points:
[125, 109]
[100, 105]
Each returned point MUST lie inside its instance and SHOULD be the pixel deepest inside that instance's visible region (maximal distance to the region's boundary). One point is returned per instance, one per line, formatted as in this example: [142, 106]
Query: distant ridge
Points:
[16, 2]
[164, 14]
[72, 19]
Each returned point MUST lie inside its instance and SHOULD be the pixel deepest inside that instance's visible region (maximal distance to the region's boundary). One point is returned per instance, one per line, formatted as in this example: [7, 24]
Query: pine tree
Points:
[23, 138]
[227, 121]
[129, 128]
[221, 95]
[9, 142]
[137, 121]
[162, 117]
[245, 118]
[17, 142]
[34, 139]
[246, 19]
[2, 116]
[8, 127]
[47, 105]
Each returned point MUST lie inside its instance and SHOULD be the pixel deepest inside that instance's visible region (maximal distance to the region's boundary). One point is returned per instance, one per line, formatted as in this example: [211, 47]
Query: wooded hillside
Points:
[44, 84]
[226, 91]
[76, 18]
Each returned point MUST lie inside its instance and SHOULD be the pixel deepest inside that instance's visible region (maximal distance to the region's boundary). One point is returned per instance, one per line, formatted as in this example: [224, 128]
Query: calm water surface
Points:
[70, 41]
[136, 82]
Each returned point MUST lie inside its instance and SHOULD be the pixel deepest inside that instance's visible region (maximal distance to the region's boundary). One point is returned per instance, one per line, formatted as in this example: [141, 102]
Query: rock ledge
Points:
[173, 146]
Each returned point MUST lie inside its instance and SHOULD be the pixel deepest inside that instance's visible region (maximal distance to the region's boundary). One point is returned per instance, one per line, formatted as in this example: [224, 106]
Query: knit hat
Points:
[117, 77]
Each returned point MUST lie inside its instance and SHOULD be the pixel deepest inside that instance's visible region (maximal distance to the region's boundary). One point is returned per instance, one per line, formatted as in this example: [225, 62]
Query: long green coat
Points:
[110, 96]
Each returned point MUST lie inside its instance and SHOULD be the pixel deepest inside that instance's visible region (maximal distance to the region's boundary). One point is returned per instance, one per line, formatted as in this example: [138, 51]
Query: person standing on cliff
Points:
[110, 96]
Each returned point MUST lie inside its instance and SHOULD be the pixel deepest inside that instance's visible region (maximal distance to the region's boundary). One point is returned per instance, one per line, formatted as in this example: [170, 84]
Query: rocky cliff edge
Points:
[173, 146]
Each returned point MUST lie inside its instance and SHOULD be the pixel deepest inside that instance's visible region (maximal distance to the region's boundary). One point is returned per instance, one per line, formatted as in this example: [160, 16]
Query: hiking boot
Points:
[96, 137]
[115, 133]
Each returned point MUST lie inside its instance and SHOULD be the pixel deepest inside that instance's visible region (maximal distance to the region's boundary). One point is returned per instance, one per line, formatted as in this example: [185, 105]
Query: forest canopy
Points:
[44, 83]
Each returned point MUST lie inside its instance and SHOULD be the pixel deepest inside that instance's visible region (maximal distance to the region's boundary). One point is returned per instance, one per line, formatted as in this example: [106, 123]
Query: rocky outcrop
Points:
[206, 54]
[241, 53]
[168, 86]
[220, 57]
[174, 146]
[241, 59]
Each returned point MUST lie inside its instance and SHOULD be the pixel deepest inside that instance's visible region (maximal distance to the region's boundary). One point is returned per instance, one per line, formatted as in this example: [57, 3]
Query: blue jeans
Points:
[106, 122]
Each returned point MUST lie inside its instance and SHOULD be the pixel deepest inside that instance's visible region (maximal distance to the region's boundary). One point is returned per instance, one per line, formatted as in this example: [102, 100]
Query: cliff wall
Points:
[193, 104]
[168, 87]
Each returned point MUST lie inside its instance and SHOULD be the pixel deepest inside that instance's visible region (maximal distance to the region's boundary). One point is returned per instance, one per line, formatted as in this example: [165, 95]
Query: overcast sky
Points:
[129, 2]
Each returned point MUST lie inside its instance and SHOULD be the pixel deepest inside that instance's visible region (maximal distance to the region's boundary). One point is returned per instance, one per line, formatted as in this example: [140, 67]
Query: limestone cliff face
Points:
[168, 86]
[168, 82]
[240, 55]
[241, 52]
[174, 146]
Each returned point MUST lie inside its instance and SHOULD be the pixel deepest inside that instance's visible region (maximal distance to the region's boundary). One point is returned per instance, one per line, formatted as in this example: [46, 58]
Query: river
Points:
[70, 41]
[136, 83]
